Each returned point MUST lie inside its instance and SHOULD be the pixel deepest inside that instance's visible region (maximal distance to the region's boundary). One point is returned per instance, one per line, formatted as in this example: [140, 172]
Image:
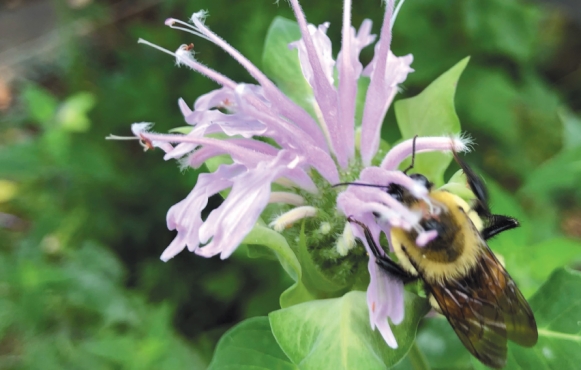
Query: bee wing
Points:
[521, 327]
[478, 324]
[485, 308]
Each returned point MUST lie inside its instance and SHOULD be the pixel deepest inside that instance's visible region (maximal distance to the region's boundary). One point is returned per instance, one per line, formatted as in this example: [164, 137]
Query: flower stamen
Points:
[142, 41]
[396, 12]
[287, 219]
[143, 141]
[170, 22]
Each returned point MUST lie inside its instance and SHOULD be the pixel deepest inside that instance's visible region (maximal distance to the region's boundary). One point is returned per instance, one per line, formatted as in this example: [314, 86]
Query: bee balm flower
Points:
[304, 155]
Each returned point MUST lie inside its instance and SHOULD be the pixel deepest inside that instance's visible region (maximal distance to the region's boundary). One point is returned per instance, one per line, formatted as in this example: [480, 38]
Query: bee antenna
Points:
[360, 184]
[413, 156]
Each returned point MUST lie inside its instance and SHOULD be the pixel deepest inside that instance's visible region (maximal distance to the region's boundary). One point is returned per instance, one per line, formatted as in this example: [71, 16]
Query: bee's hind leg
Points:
[477, 186]
[382, 259]
[495, 224]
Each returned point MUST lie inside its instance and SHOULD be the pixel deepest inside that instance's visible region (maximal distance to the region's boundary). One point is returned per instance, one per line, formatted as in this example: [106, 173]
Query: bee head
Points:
[422, 180]
[402, 194]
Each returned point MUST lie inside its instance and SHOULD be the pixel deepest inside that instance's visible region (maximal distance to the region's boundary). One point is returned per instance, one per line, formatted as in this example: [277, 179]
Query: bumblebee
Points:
[462, 277]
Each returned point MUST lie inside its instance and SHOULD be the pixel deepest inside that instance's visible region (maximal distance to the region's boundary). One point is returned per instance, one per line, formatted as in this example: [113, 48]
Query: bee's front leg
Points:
[392, 268]
[382, 259]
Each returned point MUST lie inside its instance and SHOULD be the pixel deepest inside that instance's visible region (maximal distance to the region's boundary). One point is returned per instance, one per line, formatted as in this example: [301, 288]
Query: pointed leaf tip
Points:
[432, 113]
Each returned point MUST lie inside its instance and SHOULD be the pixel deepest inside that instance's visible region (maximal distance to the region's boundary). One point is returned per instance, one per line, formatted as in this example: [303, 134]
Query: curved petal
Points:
[323, 90]
[380, 94]
[290, 137]
[385, 72]
[239, 154]
[350, 68]
[221, 98]
[324, 52]
[280, 102]
[185, 216]
[227, 225]
[197, 158]
[213, 121]
[380, 176]
[384, 293]
[363, 199]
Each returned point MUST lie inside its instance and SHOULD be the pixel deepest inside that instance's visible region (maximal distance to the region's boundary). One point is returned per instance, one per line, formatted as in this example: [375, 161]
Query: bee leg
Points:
[383, 260]
[393, 269]
[497, 224]
[477, 186]
[413, 155]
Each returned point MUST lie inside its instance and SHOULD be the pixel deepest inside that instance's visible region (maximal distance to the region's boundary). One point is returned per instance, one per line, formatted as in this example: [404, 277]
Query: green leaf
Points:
[556, 306]
[543, 258]
[250, 345]
[561, 172]
[111, 348]
[223, 285]
[571, 129]
[282, 65]
[40, 103]
[441, 346]
[503, 203]
[432, 113]
[504, 27]
[72, 114]
[335, 333]
[495, 89]
[458, 185]
[20, 161]
[264, 236]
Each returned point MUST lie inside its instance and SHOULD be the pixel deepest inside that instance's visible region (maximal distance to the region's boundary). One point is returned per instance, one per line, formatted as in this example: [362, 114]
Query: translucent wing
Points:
[485, 309]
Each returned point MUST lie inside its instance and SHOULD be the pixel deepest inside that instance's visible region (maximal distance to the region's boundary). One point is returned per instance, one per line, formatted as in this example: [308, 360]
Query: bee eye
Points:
[395, 191]
[422, 180]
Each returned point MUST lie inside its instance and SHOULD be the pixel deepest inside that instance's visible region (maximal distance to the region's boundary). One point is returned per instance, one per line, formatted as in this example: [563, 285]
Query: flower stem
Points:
[417, 358]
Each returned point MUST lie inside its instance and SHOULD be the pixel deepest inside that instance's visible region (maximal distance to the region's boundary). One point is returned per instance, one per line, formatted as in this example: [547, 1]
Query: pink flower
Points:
[304, 144]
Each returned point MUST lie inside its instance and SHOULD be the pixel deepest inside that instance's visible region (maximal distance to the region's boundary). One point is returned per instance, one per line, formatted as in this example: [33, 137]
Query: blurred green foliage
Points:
[82, 219]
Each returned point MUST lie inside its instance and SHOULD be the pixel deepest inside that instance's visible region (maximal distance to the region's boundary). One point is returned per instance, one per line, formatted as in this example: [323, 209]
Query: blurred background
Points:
[82, 220]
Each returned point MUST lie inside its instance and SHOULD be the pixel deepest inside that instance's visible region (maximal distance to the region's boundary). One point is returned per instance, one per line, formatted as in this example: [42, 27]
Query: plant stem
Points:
[417, 358]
